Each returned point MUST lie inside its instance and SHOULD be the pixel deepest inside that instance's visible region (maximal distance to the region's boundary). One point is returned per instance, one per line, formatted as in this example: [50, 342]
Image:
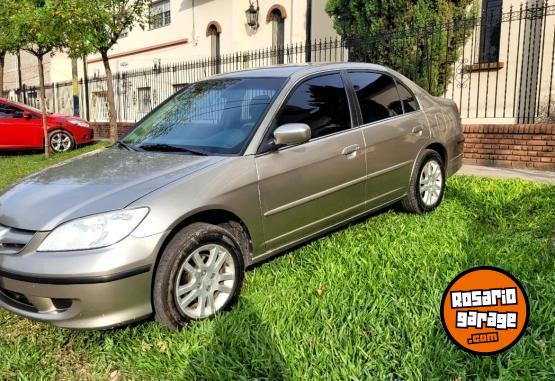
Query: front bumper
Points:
[93, 289]
[84, 136]
[79, 306]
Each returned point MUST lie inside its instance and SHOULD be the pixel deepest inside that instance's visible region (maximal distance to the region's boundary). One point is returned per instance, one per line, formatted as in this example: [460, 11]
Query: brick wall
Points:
[516, 145]
[102, 130]
[512, 145]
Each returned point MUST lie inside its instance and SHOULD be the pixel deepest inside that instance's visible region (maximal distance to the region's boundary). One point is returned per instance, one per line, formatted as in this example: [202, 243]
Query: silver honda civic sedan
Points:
[226, 173]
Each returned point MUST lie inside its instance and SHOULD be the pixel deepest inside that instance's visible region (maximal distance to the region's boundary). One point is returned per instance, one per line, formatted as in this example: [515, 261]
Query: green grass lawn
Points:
[362, 303]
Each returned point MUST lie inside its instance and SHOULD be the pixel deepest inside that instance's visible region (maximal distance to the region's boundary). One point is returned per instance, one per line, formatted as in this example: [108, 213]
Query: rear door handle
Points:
[350, 151]
[417, 130]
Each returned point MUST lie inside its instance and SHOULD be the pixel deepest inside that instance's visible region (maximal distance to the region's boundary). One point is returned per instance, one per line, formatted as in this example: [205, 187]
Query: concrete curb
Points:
[546, 177]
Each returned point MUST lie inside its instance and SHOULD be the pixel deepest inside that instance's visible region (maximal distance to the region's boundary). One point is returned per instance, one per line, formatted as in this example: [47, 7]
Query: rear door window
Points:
[407, 97]
[377, 96]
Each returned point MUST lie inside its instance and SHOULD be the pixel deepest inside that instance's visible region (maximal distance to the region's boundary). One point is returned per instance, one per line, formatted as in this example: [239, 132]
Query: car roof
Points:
[286, 71]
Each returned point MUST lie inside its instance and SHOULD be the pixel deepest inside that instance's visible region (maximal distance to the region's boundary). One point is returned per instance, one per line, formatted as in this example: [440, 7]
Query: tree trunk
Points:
[110, 98]
[2, 57]
[43, 107]
[75, 83]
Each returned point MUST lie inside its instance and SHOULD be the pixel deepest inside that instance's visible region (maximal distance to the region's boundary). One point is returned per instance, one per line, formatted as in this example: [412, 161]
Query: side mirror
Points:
[27, 115]
[292, 134]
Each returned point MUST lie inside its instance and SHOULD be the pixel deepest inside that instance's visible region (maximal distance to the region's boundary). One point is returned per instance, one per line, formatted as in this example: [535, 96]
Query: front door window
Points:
[321, 103]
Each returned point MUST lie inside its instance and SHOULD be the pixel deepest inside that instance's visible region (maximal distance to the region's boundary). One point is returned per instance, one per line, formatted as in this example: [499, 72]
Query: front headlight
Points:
[95, 231]
[79, 123]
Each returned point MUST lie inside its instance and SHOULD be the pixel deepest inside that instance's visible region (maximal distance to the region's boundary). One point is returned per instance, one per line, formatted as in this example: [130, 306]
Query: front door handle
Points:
[417, 130]
[350, 151]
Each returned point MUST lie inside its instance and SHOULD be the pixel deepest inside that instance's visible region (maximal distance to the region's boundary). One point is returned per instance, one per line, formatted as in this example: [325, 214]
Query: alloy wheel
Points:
[205, 281]
[431, 183]
[60, 142]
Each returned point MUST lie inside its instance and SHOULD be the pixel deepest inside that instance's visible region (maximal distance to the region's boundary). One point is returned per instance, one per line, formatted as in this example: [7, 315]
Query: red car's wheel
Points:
[61, 141]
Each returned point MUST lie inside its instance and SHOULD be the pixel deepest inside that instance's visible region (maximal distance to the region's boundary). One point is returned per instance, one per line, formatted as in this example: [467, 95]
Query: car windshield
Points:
[211, 117]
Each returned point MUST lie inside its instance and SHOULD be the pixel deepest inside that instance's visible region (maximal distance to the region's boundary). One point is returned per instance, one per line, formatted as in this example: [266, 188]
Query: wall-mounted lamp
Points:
[252, 15]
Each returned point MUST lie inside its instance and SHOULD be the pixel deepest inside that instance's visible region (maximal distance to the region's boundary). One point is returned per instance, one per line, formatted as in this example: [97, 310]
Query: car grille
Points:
[12, 240]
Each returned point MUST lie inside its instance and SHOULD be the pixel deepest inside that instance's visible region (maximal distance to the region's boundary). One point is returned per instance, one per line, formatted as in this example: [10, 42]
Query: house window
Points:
[100, 105]
[490, 30]
[145, 102]
[278, 35]
[160, 14]
[213, 31]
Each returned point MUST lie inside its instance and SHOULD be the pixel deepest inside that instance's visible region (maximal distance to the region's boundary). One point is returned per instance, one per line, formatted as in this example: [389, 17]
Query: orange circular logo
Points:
[485, 310]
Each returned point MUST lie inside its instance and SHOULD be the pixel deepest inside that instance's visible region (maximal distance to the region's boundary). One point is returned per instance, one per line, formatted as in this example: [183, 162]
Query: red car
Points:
[21, 128]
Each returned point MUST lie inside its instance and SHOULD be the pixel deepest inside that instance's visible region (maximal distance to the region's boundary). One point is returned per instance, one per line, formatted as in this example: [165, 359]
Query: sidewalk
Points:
[508, 173]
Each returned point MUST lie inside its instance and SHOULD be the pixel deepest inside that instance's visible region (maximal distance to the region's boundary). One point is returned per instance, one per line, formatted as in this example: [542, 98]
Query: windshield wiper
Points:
[126, 146]
[170, 148]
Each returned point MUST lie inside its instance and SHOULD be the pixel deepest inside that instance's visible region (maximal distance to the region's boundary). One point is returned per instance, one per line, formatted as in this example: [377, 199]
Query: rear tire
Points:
[200, 273]
[427, 186]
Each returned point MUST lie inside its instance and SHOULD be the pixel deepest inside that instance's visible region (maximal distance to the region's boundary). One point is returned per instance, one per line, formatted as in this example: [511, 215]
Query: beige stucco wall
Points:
[497, 95]
[191, 21]
[497, 91]
[188, 28]
[29, 71]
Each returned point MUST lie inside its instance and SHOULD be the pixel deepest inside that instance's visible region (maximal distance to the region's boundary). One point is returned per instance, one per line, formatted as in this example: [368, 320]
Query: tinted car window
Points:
[9, 112]
[377, 96]
[321, 103]
[408, 99]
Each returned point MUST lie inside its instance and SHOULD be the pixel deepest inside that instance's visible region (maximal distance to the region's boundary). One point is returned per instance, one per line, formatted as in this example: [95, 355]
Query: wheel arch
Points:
[61, 129]
[214, 216]
[439, 148]
[435, 146]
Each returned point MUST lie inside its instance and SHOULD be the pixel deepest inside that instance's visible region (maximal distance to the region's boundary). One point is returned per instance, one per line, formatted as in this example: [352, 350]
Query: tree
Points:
[8, 40]
[38, 32]
[416, 37]
[96, 26]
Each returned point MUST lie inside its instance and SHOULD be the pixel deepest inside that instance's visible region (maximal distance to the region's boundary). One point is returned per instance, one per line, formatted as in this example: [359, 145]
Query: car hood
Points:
[95, 183]
[59, 119]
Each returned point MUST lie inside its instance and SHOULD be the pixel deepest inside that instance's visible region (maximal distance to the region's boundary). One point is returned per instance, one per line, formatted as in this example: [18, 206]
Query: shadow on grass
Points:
[234, 345]
[234, 352]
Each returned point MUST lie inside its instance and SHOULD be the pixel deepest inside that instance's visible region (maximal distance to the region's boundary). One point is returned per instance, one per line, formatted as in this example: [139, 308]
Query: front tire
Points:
[427, 186]
[61, 141]
[200, 273]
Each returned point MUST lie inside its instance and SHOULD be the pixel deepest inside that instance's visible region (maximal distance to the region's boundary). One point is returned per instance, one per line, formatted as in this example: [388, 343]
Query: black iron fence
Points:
[494, 64]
